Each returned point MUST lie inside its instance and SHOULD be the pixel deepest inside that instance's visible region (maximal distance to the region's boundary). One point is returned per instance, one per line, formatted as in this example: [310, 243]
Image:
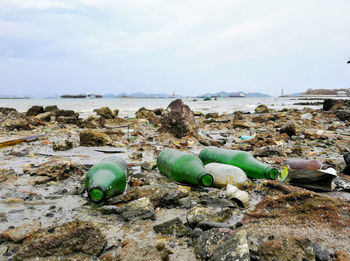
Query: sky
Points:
[54, 47]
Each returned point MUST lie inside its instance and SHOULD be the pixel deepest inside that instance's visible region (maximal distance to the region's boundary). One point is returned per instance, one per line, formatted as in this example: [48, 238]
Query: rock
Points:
[142, 250]
[159, 111]
[289, 127]
[138, 209]
[210, 214]
[178, 120]
[314, 134]
[16, 122]
[46, 116]
[108, 210]
[343, 115]
[52, 108]
[222, 244]
[94, 139]
[321, 254]
[262, 109]
[161, 195]
[35, 110]
[18, 234]
[144, 113]
[7, 175]
[67, 120]
[306, 116]
[206, 200]
[62, 145]
[212, 115]
[288, 249]
[198, 113]
[92, 122]
[346, 157]
[170, 227]
[206, 225]
[341, 256]
[6, 110]
[63, 240]
[67, 113]
[269, 151]
[328, 104]
[243, 124]
[105, 112]
[58, 170]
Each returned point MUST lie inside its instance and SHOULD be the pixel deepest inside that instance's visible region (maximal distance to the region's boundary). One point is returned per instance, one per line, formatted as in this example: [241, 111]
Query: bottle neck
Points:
[97, 193]
[271, 173]
[205, 179]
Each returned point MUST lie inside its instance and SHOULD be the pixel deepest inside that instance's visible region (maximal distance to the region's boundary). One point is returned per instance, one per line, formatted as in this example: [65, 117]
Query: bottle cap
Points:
[206, 180]
[96, 194]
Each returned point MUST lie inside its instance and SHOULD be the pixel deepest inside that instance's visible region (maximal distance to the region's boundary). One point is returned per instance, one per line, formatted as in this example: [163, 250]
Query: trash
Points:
[308, 174]
[245, 137]
[244, 160]
[304, 164]
[106, 179]
[241, 197]
[183, 167]
[18, 140]
[224, 174]
[306, 116]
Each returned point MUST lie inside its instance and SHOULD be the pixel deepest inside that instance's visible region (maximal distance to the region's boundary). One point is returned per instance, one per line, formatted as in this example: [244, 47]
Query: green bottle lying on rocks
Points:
[241, 159]
[106, 179]
[183, 167]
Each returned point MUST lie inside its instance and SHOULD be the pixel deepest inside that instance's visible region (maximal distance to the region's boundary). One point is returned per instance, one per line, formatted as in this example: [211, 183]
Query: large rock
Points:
[58, 170]
[287, 249]
[138, 209]
[46, 116]
[35, 110]
[149, 115]
[94, 139]
[105, 112]
[262, 109]
[18, 234]
[343, 115]
[178, 120]
[289, 127]
[52, 108]
[222, 244]
[63, 240]
[6, 110]
[92, 122]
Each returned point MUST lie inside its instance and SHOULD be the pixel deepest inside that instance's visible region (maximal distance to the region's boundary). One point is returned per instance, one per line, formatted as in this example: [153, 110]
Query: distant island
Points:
[332, 92]
[80, 96]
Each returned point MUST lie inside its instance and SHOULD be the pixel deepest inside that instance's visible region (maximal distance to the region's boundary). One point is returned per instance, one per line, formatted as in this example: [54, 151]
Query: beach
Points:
[46, 214]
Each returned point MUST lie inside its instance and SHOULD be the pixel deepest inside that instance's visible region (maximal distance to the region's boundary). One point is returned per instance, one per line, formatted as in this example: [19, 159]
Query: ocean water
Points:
[128, 106]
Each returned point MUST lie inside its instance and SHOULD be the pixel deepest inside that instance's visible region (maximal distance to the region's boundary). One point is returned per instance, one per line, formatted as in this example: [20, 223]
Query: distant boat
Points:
[240, 95]
[80, 96]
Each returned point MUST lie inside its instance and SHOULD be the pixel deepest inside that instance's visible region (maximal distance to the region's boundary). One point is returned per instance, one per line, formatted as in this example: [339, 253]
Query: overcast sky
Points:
[50, 47]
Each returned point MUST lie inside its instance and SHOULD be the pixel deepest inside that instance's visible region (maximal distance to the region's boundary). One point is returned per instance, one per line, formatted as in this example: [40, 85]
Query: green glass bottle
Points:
[241, 159]
[183, 167]
[106, 179]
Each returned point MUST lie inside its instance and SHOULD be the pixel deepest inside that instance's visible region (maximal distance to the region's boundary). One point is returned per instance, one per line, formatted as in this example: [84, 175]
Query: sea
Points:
[128, 106]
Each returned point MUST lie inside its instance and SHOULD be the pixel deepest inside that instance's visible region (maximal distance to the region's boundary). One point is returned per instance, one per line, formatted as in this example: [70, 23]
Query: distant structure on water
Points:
[239, 95]
[80, 96]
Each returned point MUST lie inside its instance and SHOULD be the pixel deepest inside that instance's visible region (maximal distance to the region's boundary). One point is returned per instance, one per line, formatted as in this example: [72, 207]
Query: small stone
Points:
[321, 254]
[138, 209]
[170, 227]
[289, 127]
[92, 138]
[200, 214]
[105, 112]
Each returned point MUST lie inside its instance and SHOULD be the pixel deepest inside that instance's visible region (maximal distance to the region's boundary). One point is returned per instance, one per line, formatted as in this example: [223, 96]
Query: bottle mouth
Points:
[206, 180]
[96, 194]
[273, 173]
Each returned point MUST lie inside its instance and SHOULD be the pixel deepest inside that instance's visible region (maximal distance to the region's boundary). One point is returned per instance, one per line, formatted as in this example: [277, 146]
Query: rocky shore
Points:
[45, 213]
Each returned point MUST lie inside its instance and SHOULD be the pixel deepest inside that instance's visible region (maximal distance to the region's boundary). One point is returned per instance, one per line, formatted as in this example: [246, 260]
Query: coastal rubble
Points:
[45, 213]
